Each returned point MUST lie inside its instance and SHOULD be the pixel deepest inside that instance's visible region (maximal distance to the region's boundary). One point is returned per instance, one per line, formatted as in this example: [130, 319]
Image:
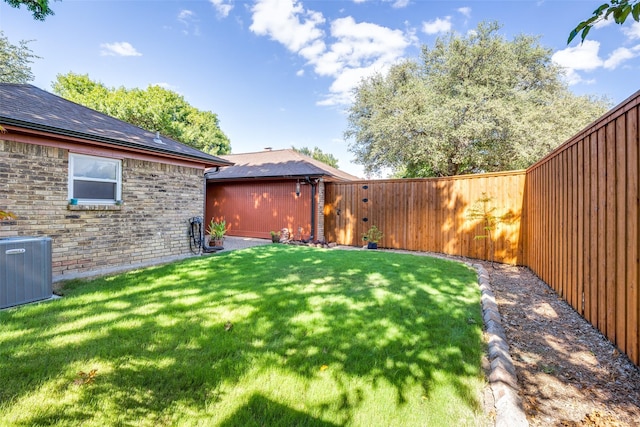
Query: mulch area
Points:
[569, 374]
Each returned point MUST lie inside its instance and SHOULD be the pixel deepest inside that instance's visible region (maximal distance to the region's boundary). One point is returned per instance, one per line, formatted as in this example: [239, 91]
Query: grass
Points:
[316, 338]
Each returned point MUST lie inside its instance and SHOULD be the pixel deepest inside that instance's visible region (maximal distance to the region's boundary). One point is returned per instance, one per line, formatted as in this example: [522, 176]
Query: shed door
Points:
[254, 209]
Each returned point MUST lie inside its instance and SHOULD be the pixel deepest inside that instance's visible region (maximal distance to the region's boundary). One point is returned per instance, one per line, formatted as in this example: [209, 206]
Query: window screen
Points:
[94, 179]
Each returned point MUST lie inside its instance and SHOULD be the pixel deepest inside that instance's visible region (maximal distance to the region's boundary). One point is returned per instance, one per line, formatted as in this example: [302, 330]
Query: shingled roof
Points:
[29, 107]
[277, 164]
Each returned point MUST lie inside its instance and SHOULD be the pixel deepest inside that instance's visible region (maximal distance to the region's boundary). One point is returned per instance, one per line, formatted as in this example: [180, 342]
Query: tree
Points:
[474, 103]
[39, 8]
[318, 155]
[619, 9]
[155, 109]
[15, 60]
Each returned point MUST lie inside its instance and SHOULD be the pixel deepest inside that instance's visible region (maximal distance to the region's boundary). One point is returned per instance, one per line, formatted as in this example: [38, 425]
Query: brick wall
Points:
[151, 226]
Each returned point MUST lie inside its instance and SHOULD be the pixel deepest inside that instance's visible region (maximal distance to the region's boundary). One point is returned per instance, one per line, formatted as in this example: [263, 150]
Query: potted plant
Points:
[216, 231]
[275, 236]
[7, 215]
[372, 237]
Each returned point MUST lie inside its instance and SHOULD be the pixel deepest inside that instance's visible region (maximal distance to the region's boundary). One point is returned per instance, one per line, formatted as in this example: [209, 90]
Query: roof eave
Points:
[213, 177]
[69, 133]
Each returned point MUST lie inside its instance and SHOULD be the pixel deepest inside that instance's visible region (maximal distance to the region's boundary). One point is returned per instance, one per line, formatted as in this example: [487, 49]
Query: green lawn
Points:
[318, 338]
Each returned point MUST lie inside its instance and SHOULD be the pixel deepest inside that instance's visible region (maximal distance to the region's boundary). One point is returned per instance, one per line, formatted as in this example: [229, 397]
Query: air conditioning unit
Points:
[25, 270]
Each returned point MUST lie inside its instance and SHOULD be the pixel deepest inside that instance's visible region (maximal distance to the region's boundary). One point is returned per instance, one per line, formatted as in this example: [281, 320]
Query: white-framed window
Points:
[94, 180]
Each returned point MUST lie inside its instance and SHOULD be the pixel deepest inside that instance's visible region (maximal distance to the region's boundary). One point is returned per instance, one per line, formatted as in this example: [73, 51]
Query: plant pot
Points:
[218, 242]
[372, 245]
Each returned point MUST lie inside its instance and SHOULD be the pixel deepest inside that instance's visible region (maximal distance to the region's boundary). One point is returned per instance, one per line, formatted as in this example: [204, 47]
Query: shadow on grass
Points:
[261, 411]
[159, 338]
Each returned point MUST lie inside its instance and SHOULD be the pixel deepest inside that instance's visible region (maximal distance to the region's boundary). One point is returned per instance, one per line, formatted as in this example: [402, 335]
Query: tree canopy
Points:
[319, 155]
[39, 8]
[15, 60]
[155, 109]
[473, 103]
[618, 9]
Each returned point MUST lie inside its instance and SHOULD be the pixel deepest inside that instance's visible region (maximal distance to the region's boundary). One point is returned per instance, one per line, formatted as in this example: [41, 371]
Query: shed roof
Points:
[29, 107]
[286, 163]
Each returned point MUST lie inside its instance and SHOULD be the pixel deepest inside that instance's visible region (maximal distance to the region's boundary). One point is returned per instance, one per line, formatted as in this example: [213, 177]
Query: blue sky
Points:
[279, 72]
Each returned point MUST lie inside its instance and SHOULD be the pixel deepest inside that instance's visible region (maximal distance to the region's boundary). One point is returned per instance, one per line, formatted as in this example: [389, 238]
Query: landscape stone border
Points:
[502, 377]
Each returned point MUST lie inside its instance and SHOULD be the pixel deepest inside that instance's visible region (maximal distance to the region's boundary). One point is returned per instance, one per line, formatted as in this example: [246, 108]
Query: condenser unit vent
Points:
[25, 270]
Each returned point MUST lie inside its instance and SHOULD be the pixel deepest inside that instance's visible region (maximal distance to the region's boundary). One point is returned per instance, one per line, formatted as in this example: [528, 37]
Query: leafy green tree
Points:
[153, 109]
[619, 9]
[474, 103]
[39, 8]
[15, 60]
[319, 155]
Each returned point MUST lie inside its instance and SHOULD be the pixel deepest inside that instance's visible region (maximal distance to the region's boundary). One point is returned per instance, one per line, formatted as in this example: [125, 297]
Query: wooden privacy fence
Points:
[575, 220]
[582, 229]
[430, 214]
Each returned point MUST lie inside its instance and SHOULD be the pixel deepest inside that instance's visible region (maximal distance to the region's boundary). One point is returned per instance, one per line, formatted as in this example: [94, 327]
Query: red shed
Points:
[271, 190]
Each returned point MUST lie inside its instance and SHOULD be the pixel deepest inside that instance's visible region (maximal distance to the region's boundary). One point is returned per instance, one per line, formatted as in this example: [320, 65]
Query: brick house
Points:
[271, 190]
[110, 195]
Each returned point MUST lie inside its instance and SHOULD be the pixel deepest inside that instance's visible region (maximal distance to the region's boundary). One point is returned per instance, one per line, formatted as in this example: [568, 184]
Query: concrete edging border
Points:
[502, 378]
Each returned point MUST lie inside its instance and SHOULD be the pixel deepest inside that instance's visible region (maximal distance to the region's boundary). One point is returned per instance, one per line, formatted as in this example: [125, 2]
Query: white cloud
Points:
[399, 4]
[189, 19]
[313, 50]
[340, 91]
[300, 72]
[223, 7]
[287, 22]
[602, 23]
[350, 52]
[437, 26]
[360, 50]
[396, 4]
[571, 76]
[466, 11]
[186, 16]
[365, 43]
[585, 57]
[582, 57]
[118, 49]
[633, 31]
[618, 56]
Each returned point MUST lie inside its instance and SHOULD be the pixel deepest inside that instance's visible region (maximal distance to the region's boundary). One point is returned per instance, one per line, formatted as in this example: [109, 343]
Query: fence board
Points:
[595, 242]
[631, 249]
[574, 283]
[579, 233]
[621, 233]
[564, 224]
[586, 231]
[610, 206]
[556, 283]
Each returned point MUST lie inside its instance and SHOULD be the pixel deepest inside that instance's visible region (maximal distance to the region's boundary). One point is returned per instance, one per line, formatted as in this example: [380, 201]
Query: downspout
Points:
[313, 208]
[204, 201]
[214, 171]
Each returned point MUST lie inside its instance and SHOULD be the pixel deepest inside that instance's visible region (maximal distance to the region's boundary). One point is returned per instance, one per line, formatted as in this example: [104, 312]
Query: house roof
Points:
[277, 164]
[29, 107]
